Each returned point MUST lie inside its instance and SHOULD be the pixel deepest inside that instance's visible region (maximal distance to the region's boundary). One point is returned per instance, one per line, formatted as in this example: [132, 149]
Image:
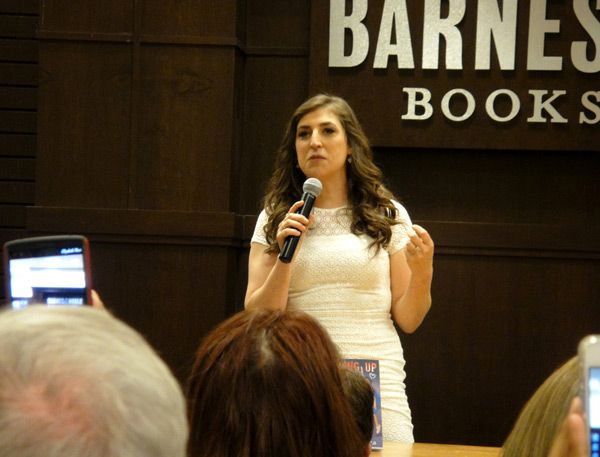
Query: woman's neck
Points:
[332, 196]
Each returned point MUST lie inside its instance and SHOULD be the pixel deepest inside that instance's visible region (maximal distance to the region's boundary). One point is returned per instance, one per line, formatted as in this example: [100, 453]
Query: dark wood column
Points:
[18, 106]
[137, 150]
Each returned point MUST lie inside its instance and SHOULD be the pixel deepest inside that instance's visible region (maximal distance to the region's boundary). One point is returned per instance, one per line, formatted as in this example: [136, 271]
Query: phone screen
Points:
[593, 410]
[51, 273]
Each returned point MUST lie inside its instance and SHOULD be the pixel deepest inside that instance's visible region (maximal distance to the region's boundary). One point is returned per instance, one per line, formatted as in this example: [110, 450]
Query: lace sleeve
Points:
[259, 235]
[399, 231]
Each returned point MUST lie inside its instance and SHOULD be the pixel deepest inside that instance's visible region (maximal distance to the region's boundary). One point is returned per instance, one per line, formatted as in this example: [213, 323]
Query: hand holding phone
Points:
[50, 270]
[571, 439]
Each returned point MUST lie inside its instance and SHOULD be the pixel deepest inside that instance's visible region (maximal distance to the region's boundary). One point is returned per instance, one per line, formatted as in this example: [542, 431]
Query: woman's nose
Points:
[315, 140]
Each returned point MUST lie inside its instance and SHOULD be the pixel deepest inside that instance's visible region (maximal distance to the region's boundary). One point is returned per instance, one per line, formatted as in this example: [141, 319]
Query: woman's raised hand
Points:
[419, 252]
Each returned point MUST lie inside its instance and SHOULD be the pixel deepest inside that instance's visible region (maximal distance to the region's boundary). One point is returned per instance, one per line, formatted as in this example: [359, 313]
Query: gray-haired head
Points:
[77, 382]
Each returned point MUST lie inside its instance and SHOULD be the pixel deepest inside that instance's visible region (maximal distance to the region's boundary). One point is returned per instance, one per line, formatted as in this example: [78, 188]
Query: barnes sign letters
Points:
[457, 73]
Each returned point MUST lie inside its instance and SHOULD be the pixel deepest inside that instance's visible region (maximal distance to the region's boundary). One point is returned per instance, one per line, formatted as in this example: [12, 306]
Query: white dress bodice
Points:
[345, 285]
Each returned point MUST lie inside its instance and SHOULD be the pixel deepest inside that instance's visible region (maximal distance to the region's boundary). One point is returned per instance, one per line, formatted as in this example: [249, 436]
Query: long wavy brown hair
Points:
[373, 212]
[267, 384]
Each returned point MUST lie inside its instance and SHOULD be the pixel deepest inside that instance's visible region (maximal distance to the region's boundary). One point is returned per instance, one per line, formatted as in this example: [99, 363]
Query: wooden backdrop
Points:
[149, 126]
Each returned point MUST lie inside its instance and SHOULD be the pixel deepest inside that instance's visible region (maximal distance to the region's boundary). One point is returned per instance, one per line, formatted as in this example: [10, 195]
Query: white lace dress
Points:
[346, 287]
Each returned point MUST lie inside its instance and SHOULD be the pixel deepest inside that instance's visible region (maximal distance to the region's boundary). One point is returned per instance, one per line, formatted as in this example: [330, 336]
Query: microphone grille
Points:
[312, 186]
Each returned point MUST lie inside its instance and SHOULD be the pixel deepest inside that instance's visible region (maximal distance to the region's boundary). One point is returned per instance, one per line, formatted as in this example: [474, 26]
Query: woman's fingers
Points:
[423, 235]
[419, 241]
[97, 301]
[296, 206]
[293, 223]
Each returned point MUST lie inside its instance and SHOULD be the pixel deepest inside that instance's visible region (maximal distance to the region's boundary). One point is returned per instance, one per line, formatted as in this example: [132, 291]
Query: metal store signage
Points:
[460, 73]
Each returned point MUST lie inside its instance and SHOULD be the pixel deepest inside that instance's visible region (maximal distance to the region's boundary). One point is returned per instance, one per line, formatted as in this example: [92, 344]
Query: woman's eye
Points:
[303, 134]
[328, 131]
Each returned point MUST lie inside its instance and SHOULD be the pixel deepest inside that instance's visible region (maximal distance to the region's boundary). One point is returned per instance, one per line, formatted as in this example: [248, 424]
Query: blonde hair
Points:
[539, 420]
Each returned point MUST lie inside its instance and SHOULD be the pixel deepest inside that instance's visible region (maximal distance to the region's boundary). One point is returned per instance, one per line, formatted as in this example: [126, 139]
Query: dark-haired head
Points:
[372, 209]
[267, 383]
[361, 397]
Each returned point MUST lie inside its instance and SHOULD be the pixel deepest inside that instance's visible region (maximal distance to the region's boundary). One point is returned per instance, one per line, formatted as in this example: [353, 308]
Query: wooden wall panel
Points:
[18, 121]
[19, 50]
[170, 274]
[496, 186]
[17, 169]
[137, 125]
[197, 18]
[518, 251]
[12, 217]
[86, 16]
[17, 25]
[21, 193]
[18, 105]
[20, 7]
[498, 327]
[22, 74]
[185, 129]
[274, 87]
[18, 98]
[276, 81]
[273, 24]
[15, 144]
[210, 228]
[84, 124]
[173, 294]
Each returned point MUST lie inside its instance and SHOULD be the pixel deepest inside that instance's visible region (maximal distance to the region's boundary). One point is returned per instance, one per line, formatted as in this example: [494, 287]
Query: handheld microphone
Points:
[312, 187]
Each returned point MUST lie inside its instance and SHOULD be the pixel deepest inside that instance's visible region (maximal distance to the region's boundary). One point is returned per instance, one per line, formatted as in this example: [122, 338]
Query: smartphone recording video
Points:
[51, 270]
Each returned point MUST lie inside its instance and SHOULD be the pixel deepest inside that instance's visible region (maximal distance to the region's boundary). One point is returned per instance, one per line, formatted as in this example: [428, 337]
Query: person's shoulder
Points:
[402, 212]
[397, 204]
[261, 221]
[400, 228]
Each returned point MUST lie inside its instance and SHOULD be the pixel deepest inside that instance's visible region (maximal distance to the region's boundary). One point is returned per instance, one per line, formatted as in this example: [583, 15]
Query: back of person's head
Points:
[361, 397]
[77, 382]
[267, 383]
[541, 417]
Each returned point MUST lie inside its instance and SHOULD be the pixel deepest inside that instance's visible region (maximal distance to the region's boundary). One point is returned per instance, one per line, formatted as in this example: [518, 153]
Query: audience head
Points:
[76, 382]
[541, 417]
[361, 397]
[267, 383]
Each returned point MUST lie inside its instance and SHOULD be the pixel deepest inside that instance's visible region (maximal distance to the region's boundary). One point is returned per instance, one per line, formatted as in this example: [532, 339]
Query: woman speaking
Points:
[359, 265]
